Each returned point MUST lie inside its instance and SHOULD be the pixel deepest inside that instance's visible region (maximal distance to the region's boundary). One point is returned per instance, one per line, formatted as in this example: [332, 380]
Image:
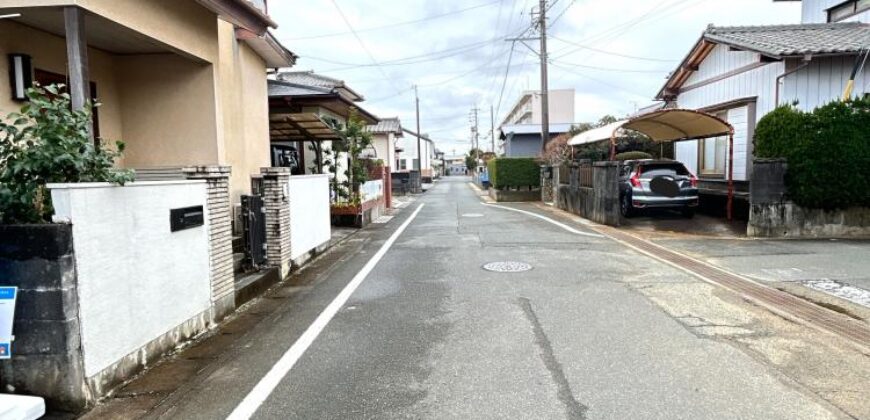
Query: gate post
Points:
[220, 236]
[276, 200]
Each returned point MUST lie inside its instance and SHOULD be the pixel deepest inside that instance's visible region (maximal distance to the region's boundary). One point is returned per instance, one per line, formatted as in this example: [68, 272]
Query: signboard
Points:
[7, 314]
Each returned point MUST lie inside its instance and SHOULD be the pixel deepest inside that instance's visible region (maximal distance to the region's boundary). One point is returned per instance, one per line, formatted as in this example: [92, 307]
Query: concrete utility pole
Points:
[540, 21]
[475, 135]
[545, 90]
[492, 126]
[419, 150]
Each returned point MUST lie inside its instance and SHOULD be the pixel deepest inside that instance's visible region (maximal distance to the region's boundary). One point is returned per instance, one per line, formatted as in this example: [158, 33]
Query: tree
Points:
[471, 158]
[354, 140]
[48, 142]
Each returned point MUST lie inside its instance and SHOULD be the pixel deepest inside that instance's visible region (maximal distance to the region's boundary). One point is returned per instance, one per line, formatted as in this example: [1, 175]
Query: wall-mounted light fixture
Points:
[20, 75]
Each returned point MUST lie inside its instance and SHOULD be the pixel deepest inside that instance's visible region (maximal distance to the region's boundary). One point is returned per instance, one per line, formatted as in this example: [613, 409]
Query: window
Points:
[712, 153]
[403, 164]
[45, 78]
[847, 9]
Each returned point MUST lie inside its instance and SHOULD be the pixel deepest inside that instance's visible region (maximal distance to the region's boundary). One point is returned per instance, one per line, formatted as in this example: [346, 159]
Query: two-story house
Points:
[181, 82]
[741, 73]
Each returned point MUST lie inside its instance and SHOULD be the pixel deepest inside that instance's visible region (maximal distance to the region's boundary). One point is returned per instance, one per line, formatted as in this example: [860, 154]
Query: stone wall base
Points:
[788, 220]
[508, 196]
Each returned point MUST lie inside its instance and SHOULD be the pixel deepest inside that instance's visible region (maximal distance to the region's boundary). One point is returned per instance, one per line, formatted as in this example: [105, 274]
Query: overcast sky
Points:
[455, 51]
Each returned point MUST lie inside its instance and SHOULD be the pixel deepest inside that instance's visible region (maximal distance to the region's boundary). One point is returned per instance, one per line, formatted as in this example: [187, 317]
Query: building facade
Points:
[527, 109]
[742, 73]
[180, 82]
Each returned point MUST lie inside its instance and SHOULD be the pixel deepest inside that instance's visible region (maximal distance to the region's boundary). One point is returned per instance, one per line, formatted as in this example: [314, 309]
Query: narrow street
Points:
[593, 330]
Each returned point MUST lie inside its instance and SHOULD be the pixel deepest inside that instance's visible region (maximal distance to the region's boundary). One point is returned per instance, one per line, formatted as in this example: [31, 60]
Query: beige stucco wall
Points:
[183, 25]
[244, 111]
[203, 102]
[49, 53]
[167, 107]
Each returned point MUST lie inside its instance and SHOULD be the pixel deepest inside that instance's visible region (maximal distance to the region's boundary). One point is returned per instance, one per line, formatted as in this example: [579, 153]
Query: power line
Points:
[599, 50]
[564, 63]
[395, 25]
[363, 45]
[506, 73]
[553, 22]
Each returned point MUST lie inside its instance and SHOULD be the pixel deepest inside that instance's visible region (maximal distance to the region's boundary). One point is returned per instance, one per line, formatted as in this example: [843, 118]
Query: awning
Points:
[661, 126]
[300, 127]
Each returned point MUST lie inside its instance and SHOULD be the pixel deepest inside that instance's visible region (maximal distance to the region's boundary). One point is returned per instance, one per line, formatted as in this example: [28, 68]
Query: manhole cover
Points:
[472, 215]
[507, 267]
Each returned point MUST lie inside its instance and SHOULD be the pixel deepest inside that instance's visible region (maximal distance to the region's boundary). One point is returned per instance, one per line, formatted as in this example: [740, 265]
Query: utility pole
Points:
[419, 151]
[475, 135]
[492, 127]
[540, 22]
[545, 90]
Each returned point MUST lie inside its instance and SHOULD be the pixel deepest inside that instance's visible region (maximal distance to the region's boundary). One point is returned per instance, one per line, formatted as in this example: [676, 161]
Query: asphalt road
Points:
[430, 334]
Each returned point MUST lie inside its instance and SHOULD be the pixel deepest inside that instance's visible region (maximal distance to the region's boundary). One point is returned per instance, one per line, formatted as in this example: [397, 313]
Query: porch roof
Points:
[300, 127]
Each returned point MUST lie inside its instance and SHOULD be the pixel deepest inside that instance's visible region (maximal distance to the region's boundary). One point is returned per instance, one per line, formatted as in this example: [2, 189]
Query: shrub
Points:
[514, 173]
[633, 155]
[828, 152]
[48, 142]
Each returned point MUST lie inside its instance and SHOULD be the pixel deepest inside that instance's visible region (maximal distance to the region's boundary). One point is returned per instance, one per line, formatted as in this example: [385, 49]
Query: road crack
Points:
[573, 408]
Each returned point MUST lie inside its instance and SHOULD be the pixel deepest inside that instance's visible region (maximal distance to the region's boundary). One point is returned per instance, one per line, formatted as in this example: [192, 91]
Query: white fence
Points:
[310, 226]
[137, 280]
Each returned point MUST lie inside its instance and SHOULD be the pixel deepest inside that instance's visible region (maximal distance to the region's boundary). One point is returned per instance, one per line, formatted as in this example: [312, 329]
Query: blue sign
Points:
[7, 314]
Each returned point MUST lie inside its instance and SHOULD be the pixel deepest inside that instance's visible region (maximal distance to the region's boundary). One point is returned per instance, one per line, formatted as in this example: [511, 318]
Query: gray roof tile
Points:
[794, 40]
[387, 125]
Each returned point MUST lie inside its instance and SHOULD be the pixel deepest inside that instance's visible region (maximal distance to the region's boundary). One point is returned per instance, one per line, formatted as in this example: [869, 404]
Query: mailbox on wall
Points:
[186, 218]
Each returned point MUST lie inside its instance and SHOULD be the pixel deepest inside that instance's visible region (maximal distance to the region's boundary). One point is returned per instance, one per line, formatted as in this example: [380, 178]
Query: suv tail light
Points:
[635, 178]
[693, 181]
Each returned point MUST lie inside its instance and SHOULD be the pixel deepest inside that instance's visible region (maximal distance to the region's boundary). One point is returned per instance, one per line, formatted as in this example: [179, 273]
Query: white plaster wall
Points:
[309, 213]
[687, 152]
[136, 279]
[721, 60]
[372, 190]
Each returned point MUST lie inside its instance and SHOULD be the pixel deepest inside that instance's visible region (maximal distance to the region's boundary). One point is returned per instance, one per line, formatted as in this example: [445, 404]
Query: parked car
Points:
[652, 183]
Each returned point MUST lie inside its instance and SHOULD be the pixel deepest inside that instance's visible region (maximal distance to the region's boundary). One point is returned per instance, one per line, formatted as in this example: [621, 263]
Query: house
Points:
[520, 131]
[741, 73]
[306, 111]
[385, 136]
[455, 165]
[408, 160]
[524, 140]
[527, 109]
[180, 82]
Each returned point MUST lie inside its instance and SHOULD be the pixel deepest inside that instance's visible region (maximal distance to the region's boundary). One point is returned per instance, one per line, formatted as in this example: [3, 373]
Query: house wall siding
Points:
[814, 11]
[822, 81]
[759, 83]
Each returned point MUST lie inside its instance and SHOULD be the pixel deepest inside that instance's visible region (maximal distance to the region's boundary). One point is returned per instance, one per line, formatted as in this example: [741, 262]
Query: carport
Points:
[668, 125]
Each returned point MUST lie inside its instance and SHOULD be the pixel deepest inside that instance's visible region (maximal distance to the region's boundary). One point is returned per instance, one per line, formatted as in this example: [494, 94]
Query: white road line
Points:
[547, 219]
[267, 384]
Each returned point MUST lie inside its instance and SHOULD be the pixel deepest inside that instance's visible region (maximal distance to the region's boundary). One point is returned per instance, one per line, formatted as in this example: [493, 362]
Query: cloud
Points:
[470, 69]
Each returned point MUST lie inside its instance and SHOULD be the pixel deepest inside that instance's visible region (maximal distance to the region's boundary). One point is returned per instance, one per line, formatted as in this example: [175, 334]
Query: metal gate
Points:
[254, 225]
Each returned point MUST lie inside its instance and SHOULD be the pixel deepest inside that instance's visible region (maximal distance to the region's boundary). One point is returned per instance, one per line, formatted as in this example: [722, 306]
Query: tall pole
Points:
[475, 135]
[419, 150]
[492, 127]
[545, 102]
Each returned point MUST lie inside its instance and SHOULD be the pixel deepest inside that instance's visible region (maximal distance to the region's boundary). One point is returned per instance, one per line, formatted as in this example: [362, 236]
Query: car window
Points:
[659, 169]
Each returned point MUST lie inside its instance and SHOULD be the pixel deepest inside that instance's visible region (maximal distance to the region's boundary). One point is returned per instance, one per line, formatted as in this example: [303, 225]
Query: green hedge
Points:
[828, 152]
[514, 172]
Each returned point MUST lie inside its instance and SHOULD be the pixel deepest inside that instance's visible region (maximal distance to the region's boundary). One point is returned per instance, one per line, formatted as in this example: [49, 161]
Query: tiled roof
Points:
[387, 125]
[279, 88]
[794, 40]
[310, 78]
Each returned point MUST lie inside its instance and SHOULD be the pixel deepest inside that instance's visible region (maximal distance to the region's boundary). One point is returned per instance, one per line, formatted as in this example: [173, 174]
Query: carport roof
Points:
[661, 126]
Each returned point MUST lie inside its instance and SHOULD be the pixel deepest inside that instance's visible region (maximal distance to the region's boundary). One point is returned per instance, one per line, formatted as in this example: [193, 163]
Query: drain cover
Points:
[472, 215]
[507, 267]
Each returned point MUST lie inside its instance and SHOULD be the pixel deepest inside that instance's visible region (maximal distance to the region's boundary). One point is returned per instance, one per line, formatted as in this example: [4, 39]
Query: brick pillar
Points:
[220, 235]
[388, 186]
[276, 200]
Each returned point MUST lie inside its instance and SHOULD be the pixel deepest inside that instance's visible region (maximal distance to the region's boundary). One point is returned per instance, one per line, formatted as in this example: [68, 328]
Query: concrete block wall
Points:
[599, 203]
[47, 358]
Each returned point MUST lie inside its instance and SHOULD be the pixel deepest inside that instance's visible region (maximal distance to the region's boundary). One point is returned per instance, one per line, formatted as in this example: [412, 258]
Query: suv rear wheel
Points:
[625, 206]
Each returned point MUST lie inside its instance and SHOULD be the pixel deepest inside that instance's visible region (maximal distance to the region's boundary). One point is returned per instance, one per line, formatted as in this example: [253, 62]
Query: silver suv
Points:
[652, 183]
